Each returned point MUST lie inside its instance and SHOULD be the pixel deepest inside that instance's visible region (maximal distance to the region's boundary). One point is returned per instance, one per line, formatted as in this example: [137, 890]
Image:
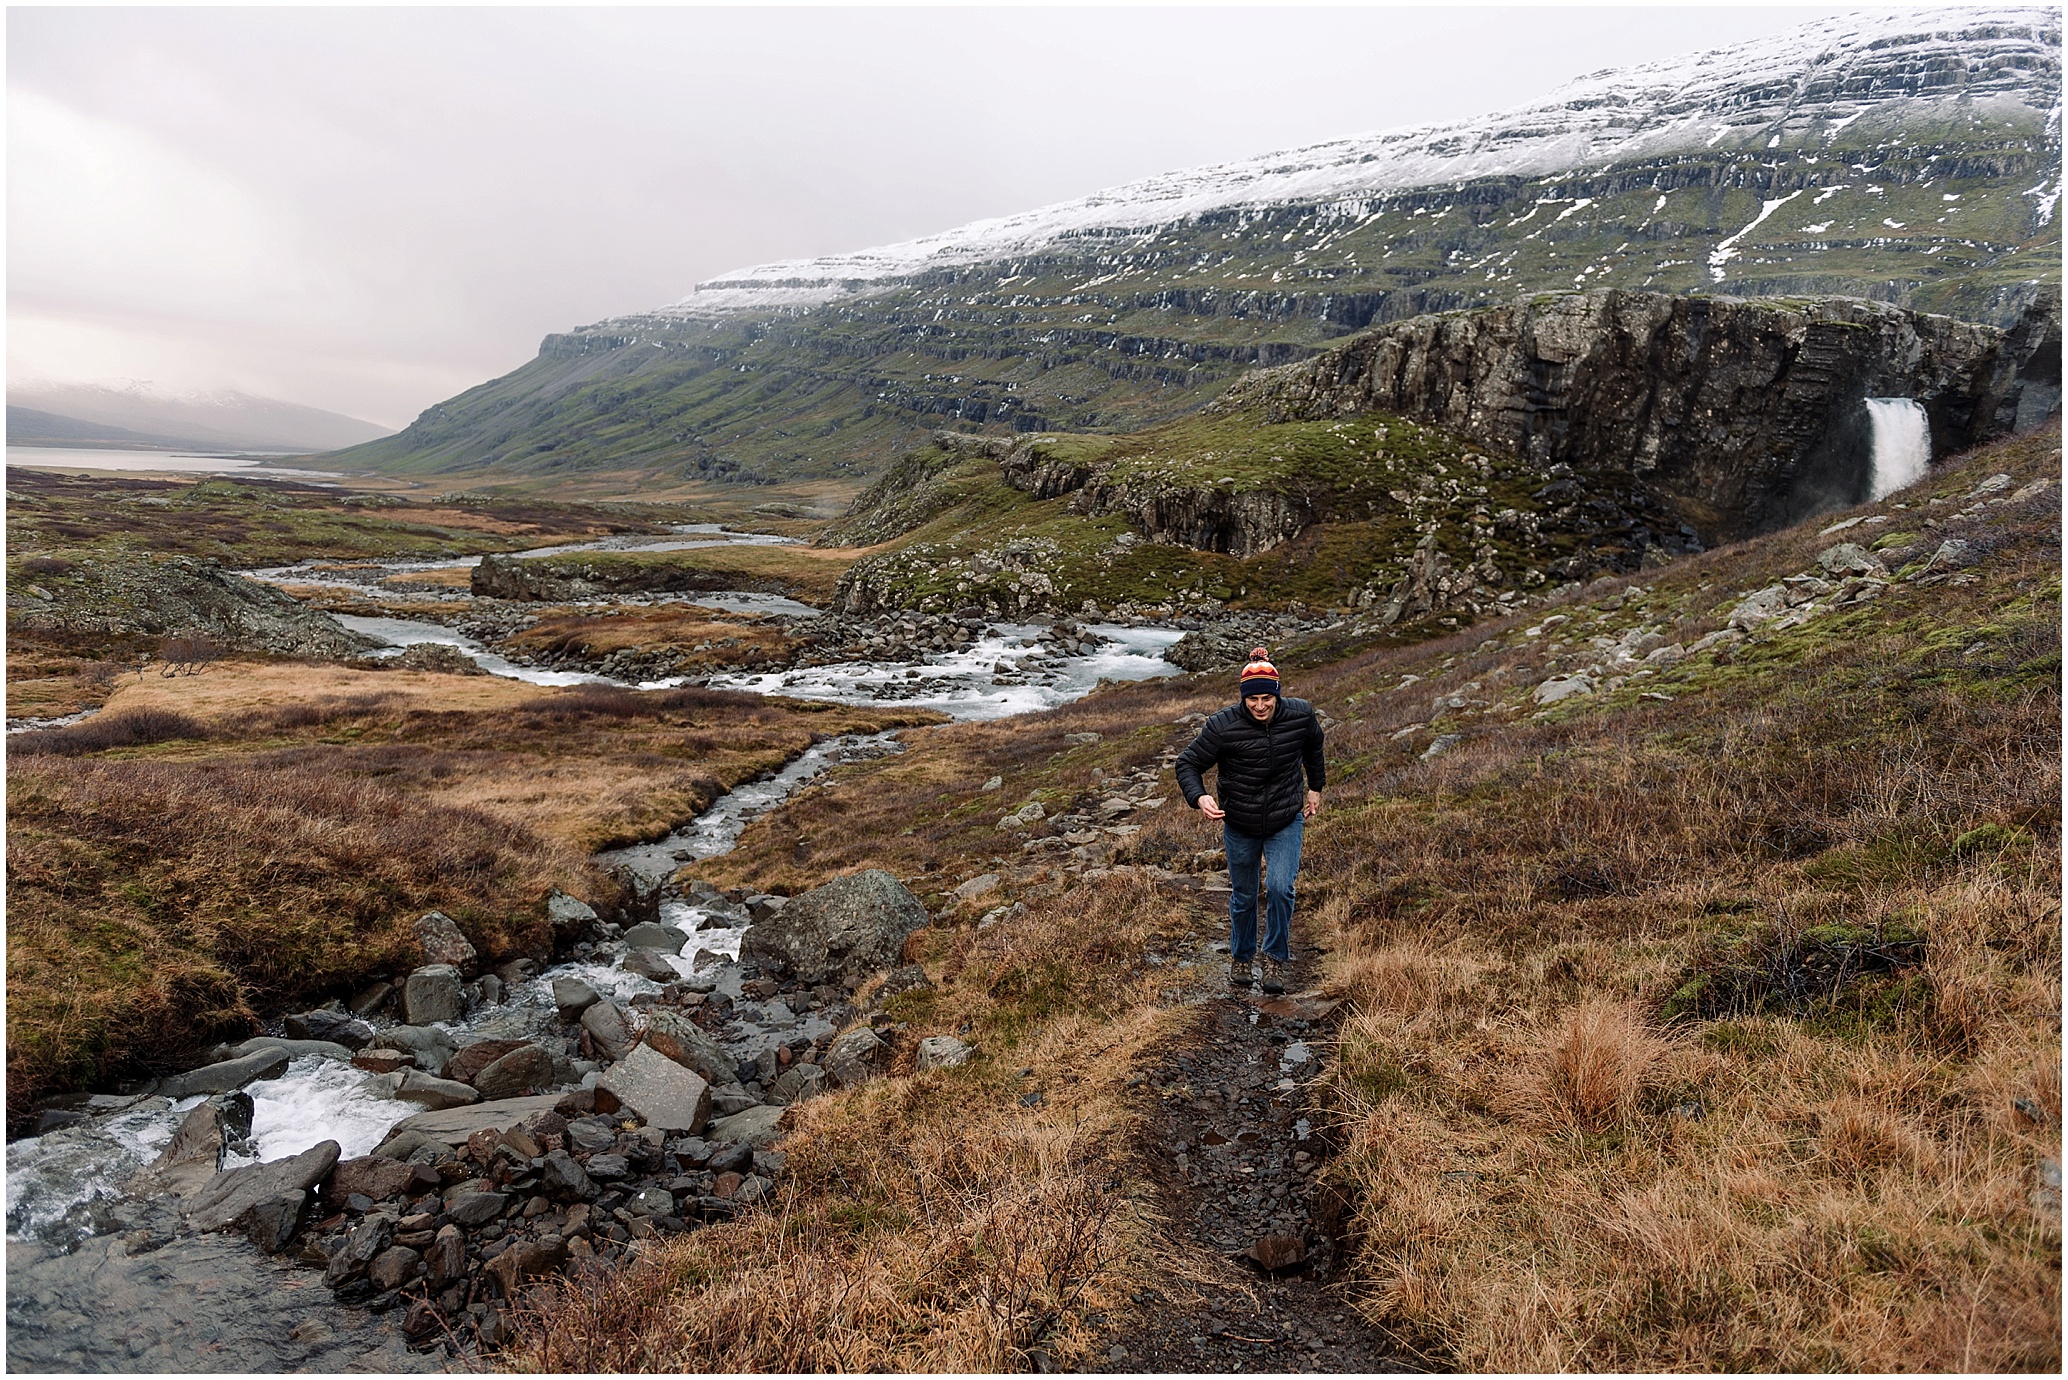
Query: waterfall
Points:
[1902, 444]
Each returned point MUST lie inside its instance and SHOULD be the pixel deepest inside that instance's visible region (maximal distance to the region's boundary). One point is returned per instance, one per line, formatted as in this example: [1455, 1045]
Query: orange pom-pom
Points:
[1259, 654]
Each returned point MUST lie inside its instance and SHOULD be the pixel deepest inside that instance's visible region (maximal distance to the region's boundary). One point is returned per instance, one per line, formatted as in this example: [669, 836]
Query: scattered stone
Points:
[685, 1042]
[754, 1128]
[522, 1069]
[1850, 558]
[662, 1092]
[610, 1029]
[650, 965]
[942, 1052]
[433, 994]
[567, 914]
[850, 927]
[334, 1026]
[466, 1065]
[728, 1098]
[800, 1083]
[229, 1195]
[432, 1048]
[525, 1261]
[226, 1076]
[1278, 1252]
[361, 1246]
[1768, 604]
[855, 1057]
[563, 1178]
[1955, 553]
[573, 997]
[476, 1209]
[446, 1262]
[441, 942]
[976, 886]
[394, 1267]
[1562, 688]
[609, 1167]
[376, 1176]
[1443, 743]
[662, 938]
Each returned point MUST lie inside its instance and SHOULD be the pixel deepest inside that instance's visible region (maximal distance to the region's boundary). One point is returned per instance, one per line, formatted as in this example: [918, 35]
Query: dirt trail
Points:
[1228, 1135]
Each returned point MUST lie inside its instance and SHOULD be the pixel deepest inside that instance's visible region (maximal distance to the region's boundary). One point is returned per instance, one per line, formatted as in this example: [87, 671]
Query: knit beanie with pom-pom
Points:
[1259, 677]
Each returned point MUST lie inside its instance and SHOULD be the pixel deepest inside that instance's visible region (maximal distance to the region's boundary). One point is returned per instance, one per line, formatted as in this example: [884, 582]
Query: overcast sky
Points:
[368, 210]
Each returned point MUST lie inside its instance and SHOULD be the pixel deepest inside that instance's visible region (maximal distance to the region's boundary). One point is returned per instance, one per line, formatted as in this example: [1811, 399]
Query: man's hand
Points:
[1313, 805]
[1208, 808]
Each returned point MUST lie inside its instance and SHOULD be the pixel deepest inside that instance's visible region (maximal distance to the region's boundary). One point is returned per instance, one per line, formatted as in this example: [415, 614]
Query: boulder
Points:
[1562, 688]
[383, 1060]
[799, 1083]
[435, 1093]
[682, 1040]
[649, 964]
[471, 1059]
[432, 1047]
[573, 997]
[273, 1224]
[441, 941]
[849, 927]
[376, 1176]
[754, 1128]
[335, 1026]
[1850, 558]
[522, 1069]
[658, 1090]
[197, 1147]
[1766, 605]
[394, 1267]
[979, 886]
[229, 1195]
[454, 1125]
[433, 994]
[610, 1029]
[569, 915]
[295, 1049]
[227, 1076]
[942, 1052]
[662, 938]
[855, 1057]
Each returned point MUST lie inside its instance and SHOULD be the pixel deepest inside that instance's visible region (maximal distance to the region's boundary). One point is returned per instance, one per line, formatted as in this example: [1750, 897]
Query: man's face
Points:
[1260, 707]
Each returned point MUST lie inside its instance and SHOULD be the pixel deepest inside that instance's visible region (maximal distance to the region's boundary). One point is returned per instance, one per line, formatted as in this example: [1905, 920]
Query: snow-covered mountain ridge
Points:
[1786, 94]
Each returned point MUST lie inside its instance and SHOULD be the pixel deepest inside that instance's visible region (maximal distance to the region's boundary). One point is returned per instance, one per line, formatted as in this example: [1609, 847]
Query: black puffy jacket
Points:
[1260, 765]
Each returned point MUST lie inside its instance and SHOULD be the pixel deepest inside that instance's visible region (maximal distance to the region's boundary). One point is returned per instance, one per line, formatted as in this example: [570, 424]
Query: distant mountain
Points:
[225, 420]
[28, 427]
[1911, 157]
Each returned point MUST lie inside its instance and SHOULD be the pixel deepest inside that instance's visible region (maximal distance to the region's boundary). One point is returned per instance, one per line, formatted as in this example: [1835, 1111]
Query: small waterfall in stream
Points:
[1902, 442]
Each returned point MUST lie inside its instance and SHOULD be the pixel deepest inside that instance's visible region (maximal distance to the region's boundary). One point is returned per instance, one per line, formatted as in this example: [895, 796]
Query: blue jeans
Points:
[1280, 856]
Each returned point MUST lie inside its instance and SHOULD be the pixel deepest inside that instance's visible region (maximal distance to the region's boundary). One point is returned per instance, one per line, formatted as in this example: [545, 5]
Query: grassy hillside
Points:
[1707, 1020]
[1115, 333]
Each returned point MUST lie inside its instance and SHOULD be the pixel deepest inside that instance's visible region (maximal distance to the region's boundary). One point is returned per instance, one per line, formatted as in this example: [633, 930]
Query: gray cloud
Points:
[370, 209]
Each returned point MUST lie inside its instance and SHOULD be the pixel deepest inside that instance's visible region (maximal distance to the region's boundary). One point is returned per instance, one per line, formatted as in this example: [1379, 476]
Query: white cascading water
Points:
[1902, 443]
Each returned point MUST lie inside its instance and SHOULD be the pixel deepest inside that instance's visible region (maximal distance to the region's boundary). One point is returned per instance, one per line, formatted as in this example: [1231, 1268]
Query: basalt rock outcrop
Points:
[174, 597]
[1743, 415]
[564, 579]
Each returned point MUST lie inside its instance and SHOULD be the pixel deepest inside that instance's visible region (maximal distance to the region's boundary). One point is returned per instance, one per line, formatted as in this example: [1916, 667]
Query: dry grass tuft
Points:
[1593, 1071]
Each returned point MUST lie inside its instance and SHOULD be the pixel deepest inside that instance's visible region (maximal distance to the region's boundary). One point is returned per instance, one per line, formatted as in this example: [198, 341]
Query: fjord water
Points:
[160, 461]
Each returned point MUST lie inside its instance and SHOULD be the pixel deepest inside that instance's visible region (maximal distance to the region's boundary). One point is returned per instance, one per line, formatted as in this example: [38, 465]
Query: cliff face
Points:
[1743, 415]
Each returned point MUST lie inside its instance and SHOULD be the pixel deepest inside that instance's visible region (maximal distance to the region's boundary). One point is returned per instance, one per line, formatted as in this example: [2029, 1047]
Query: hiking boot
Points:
[1238, 973]
[1275, 974]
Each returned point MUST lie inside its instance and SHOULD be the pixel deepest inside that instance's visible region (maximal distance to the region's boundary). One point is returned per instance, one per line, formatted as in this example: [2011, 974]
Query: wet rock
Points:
[196, 1149]
[394, 1267]
[383, 1060]
[491, 990]
[800, 1083]
[527, 1260]
[226, 1076]
[376, 1176]
[273, 1224]
[452, 1127]
[850, 927]
[468, 1063]
[610, 1029]
[663, 1093]
[564, 1179]
[334, 1026]
[567, 914]
[295, 1049]
[573, 997]
[432, 1048]
[685, 1042]
[358, 1250]
[446, 1262]
[855, 1057]
[440, 941]
[372, 999]
[435, 1093]
[476, 1209]
[648, 964]
[664, 939]
[522, 1069]
[755, 1127]
[433, 994]
[942, 1052]
[764, 906]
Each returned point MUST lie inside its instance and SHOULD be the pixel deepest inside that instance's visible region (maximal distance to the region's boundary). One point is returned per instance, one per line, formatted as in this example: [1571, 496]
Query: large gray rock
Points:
[573, 996]
[435, 1093]
[431, 1048]
[799, 1083]
[942, 1052]
[334, 1026]
[434, 994]
[228, 1196]
[610, 1030]
[517, 1072]
[226, 1076]
[1850, 558]
[195, 1153]
[682, 1040]
[454, 1125]
[850, 927]
[661, 938]
[756, 1127]
[660, 1091]
[569, 915]
[295, 1049]
[855, 1057]
[441, 941]
[650, 964]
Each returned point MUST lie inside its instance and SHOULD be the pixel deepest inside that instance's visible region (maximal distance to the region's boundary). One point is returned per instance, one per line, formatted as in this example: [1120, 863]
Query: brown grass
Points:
[710, 639]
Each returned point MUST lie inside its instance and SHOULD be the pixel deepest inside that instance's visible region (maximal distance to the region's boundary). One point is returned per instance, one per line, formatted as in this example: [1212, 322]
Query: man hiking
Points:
[1262, 747]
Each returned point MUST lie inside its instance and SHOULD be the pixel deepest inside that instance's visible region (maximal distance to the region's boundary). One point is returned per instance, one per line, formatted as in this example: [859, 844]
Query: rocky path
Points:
[1228, 1135]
